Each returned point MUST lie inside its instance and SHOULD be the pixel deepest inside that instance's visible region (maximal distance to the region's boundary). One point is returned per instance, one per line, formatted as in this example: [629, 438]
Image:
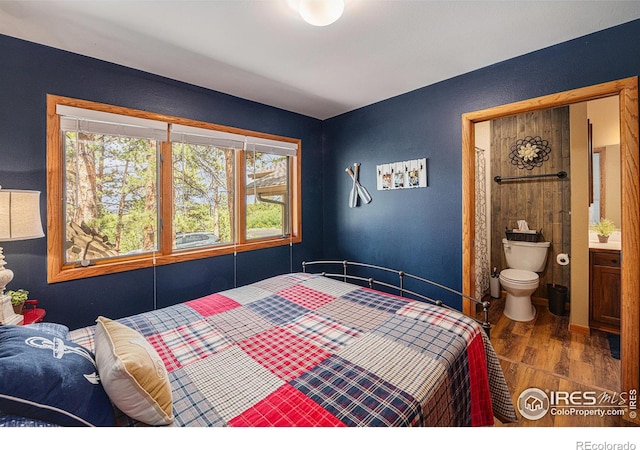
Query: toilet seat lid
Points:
[519, 276]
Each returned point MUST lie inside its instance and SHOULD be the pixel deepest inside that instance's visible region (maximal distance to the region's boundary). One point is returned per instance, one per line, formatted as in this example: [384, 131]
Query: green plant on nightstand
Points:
[604, 228]
[17, 299]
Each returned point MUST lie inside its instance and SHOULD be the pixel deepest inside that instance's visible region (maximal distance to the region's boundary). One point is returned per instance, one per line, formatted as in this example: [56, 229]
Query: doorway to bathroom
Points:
[528, 195]
[547, 198]
[626, 92]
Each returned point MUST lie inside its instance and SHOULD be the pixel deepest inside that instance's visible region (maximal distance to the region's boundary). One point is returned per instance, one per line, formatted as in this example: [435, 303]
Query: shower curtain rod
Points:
[498, 179]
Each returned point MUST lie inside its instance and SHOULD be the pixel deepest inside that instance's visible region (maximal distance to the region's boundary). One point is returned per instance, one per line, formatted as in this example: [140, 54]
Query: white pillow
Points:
[132, 373]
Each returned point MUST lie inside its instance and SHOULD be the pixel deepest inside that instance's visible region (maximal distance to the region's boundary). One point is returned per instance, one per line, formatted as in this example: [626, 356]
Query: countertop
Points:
[613, 244]
[608, 246]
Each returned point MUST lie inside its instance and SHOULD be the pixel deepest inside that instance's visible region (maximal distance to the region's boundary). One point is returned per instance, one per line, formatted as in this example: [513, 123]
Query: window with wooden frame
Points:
[128, 189]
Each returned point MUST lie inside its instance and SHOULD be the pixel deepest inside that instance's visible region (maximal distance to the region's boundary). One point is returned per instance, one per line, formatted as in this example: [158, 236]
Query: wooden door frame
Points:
[627, 92]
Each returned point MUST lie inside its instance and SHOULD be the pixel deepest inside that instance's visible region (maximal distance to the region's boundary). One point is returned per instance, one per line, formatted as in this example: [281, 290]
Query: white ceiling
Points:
[261, 50]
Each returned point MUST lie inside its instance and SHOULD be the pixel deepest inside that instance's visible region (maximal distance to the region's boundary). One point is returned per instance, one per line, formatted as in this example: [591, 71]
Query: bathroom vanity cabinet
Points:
[604, 286]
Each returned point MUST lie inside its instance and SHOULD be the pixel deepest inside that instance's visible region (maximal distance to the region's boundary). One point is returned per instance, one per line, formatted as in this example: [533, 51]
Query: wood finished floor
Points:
[543, 353]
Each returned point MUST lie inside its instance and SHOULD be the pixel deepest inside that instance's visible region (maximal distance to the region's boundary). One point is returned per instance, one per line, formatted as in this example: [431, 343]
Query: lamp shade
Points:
[20, 215]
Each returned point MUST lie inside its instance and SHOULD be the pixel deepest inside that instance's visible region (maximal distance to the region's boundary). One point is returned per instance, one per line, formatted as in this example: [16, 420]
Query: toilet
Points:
[520, 280]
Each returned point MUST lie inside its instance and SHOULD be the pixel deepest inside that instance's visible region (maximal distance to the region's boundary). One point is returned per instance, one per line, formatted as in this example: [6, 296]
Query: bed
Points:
[298, 349]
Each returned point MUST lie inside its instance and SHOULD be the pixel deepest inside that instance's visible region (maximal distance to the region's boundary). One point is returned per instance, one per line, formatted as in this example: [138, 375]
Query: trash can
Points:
[557, 299]
[494, 285]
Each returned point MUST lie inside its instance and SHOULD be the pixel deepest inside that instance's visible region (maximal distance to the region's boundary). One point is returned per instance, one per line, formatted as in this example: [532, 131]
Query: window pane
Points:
[267, 195]
[203, 195]
[111, 200]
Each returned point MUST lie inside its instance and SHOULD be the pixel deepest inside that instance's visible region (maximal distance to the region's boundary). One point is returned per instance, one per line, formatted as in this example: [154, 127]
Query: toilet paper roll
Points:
[562, 259]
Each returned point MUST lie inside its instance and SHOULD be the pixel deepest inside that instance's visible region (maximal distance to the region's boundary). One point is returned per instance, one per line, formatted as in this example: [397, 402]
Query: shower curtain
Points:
[481, 248]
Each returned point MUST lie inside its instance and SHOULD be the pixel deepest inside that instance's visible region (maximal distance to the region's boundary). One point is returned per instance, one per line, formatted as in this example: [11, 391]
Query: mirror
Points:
[604, 120]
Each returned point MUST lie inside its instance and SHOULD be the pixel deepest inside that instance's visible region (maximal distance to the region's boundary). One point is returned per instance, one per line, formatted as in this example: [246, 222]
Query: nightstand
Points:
[31, 313]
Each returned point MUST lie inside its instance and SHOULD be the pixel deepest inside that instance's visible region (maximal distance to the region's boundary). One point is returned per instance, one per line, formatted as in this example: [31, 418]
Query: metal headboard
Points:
[400, 287]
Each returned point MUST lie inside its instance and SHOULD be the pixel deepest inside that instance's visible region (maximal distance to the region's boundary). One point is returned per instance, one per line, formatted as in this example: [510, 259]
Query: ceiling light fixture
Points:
[320, 12]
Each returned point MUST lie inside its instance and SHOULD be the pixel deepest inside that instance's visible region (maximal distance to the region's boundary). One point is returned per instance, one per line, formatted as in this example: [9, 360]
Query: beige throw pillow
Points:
[132, 373]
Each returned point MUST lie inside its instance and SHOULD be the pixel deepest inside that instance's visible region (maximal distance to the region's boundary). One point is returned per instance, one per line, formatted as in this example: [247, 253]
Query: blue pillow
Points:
[47, 378]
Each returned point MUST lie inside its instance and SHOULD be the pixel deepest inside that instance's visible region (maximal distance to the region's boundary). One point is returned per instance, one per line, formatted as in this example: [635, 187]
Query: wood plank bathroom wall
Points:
[544, 202]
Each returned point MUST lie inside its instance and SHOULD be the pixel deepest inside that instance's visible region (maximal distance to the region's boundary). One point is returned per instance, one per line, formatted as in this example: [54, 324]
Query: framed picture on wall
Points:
[383, 177]
[399, 175]
[402, 175]
[413, 173]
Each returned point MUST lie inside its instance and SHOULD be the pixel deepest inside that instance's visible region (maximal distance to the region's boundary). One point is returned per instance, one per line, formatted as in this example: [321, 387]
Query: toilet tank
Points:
[526, 255]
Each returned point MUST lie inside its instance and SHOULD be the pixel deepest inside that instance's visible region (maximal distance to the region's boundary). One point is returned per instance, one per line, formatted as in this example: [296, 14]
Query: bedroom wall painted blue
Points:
[416, 230]
[419, 230]
[27, 74]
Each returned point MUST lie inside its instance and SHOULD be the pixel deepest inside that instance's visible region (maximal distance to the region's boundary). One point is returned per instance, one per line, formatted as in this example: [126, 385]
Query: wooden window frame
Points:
[58, 271]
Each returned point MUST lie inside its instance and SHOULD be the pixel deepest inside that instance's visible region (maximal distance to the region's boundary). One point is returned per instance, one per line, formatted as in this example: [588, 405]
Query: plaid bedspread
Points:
[305, 350]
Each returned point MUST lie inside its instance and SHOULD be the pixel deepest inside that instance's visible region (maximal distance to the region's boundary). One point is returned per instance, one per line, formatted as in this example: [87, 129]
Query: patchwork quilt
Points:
[306, 350]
